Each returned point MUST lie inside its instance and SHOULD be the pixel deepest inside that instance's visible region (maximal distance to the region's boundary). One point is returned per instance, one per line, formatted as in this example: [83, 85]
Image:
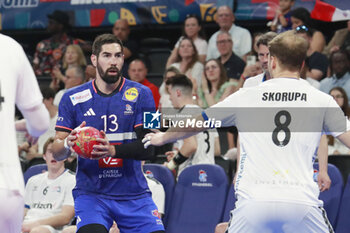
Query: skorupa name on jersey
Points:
[284, 96]
[42, 206]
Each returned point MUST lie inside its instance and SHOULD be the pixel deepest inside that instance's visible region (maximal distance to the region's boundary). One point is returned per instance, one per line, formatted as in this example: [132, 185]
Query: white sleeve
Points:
[335, 122]
[37, 120]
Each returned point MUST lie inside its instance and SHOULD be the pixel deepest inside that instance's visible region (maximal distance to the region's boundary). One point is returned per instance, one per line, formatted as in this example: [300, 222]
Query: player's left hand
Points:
[104, 149]
[155, 139]
[324, 182]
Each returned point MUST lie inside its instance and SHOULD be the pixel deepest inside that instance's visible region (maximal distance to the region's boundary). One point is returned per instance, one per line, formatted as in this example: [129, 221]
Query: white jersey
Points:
[205, 151]
[45, 197]
[254, 81]
[18, 85]
[280, 123]
[158, 193]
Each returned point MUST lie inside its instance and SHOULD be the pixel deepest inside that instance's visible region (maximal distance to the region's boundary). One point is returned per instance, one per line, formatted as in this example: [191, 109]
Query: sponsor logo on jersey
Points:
[155, 213]
[80, 97]
[128, 110]
[149, 174]
[202, 176]
[90, 112]
[42, 205]
[131, 94]
[110, 162]
[59, 118]
[151, 120]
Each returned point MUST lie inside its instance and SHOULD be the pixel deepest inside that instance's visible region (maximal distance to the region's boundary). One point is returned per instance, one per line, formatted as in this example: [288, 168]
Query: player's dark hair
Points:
[303, 15]
[201, 32]
[47, 92]
[104, 39]
[266, 38]
[181, 80]
[290, 49]
[49, 141]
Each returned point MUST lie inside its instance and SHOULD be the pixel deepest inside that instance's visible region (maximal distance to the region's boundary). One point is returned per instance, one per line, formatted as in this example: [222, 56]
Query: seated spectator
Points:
[340, 40]
[73, 56]
[49, 204]
[252, 56]
[187, 61]
[215, 85]
[316, 63]
[282, 21]
[49, 52]
[198, 149]
[233, 64]
[75, 76]
[164, 101]
[137, 73]
[334, 145]
[242, 40]
[339, 66]
[193, 30]
[121, 30]
[301, 16]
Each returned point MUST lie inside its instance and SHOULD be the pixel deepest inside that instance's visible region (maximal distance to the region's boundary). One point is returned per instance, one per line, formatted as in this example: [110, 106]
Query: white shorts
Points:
[251, 216]
[11, 211]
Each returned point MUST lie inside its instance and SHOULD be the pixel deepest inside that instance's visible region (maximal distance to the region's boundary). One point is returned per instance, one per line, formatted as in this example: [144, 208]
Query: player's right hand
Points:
[72, 136]
[155, 139]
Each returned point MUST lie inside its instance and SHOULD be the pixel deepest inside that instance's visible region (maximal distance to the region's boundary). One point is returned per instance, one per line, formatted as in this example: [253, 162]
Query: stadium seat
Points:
[343, 223]
[199, 199]
[342, 162]
[331, 198]
[167, 179]
[229, 204]
[153, 42]
[156, 59]
[228, 165]
[34, 170]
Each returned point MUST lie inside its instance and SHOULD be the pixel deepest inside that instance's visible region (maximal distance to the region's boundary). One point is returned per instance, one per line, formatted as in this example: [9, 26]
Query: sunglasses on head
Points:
[302, 28]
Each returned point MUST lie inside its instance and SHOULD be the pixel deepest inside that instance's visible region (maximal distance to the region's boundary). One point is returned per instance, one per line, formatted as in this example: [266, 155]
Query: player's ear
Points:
[93, 60]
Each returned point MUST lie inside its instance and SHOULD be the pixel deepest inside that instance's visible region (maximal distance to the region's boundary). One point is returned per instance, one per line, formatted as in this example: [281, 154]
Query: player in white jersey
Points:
[199, 149]
[49, 203]
[280, 123]
[18, 86]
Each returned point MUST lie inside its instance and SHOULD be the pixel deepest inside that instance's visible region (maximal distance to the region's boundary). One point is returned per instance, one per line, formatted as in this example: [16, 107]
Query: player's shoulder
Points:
[9, 44]
[254, 80]
[37, 178]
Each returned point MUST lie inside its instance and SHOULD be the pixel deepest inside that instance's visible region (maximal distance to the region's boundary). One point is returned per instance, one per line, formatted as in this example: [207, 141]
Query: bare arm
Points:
[318, 42]
[217, 148]
[323, 181]
[60, 152]
[314, 74]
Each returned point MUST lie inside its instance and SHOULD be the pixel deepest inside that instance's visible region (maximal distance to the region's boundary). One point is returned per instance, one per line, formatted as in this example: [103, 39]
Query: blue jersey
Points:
[117, 114]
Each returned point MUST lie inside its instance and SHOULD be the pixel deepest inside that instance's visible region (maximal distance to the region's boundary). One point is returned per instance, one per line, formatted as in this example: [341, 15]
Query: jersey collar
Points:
[118, 89]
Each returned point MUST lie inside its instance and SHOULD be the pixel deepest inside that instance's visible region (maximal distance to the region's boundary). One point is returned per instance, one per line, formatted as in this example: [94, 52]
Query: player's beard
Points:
[110, 79]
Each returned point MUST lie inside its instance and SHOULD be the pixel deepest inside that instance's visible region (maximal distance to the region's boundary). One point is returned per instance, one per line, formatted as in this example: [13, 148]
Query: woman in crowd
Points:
[215, 84]
[301, 16]
[187, 62]
[192, 29]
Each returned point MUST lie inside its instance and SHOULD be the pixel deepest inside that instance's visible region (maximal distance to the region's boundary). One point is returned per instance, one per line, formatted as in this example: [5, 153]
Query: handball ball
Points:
[86, 139]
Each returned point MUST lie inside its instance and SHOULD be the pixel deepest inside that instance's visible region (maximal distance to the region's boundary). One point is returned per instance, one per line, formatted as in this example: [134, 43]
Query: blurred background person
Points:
[164, 101]
[340, 40]
[282, 20]
[193, 30]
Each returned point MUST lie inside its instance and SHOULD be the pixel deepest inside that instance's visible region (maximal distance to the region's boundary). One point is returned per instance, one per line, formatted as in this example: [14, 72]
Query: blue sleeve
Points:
[65, 120]
[145, 104]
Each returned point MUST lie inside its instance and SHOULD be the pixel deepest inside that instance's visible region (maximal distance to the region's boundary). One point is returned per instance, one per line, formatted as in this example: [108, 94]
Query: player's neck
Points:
[54, 173]
[106, 88]
[286, 74]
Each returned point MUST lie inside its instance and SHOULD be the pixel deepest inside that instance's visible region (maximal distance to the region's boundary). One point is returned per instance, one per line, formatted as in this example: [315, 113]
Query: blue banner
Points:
[28, 14]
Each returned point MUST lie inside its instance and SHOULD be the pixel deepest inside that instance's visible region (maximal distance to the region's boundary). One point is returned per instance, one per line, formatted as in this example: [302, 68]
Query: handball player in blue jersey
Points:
[112, 186]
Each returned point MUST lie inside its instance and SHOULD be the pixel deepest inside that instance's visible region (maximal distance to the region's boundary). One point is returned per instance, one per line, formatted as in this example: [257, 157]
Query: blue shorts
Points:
[132, 216]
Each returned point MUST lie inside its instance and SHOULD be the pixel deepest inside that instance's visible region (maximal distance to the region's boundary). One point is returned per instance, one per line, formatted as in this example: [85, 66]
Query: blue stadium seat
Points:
[199, 199]
[331, 198]
[34, 170]
[343, 223]
[167, 179]
[230, 203]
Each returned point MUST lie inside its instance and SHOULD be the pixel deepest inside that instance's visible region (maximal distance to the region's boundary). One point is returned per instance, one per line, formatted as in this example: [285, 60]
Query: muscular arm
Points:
[60, 152]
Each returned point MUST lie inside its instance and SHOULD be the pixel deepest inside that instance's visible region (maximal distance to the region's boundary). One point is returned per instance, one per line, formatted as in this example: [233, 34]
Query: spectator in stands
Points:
[49, 204]
[316, 63]
[198, 149]
[215, 84]
[122, 31]
[192, 29]
[301, 16]
[75, 76]
[49, 52]
[164, 101]
[73, 56]
[233, 64]
[187, 61]
[252, 57]
[339, 66]
[282, 21]
[334, 145]
[340, 40]
[242, 40]
[138, 72]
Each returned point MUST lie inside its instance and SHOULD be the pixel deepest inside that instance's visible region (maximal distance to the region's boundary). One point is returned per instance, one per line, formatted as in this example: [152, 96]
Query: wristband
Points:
[66, 144]
[179, 158]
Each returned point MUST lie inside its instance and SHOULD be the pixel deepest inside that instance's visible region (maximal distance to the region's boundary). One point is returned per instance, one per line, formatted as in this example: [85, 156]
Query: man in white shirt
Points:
[49, 203]
[18, 86]
[275, 187]
[242, 40]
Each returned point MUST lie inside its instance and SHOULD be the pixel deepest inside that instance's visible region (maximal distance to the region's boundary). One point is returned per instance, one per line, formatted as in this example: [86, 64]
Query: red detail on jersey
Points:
[156, 213]
[58, 126]
[96, 17]
[110, 162]
[121, 86]
[137, 125]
